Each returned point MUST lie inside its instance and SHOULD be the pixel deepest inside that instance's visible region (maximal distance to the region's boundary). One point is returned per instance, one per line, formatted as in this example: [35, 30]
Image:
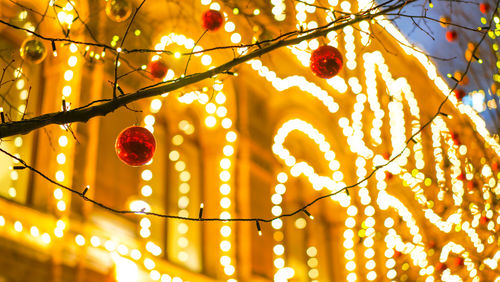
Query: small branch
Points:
[190, 55]
[117, 59]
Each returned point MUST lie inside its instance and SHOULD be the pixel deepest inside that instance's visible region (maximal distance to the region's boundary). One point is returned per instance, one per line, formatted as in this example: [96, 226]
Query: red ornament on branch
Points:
[157, 69]
[495, 165]
[135, 146]
[451, 35]
[432, 244]
[326, 61]
[440, 266]
[212, 20]
[471, 185]
[455, 137]
[388, 175]
[461, 176]
[483, 220]
[484, 7]
[459, 93]
[458, 261]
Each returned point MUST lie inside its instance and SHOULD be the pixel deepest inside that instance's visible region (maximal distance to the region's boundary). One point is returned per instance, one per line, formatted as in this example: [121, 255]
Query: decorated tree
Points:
[248, 140]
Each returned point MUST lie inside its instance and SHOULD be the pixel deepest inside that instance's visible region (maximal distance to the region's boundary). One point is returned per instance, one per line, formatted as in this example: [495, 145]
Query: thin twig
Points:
[117, 59]
[195, 44]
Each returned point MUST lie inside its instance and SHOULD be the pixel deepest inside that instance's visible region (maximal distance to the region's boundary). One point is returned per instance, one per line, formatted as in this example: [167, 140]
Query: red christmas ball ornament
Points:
[454, 136]
[212, 20]
[451, 35]
[484, 7]
[471, 185]
[326, 61]
[461, 176]
[459, 94]
[388, 175]
[495, 165]
[483, 220]
[440, 266]
[135, 146]
[458, 262]
[157, 69]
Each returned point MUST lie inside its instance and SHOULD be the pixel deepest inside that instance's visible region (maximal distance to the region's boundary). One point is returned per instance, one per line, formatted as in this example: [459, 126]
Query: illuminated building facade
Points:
[259, 144]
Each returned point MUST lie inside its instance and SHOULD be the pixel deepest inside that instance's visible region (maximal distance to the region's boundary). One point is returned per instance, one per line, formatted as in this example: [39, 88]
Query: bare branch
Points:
[83, 114]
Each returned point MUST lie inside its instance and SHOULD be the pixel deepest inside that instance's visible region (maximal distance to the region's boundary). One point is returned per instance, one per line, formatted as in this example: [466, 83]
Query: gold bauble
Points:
[118, 10]
[33, 50]
[444, 21]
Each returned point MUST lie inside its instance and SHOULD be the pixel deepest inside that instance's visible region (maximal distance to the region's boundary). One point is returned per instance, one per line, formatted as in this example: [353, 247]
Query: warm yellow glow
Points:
[80, 240]
[125, 269]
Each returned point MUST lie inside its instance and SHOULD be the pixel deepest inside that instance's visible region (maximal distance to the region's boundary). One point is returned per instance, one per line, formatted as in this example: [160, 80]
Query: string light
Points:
[351, 130]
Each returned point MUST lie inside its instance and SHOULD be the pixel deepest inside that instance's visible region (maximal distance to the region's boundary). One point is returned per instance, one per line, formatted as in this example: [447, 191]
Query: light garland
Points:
[217, 112]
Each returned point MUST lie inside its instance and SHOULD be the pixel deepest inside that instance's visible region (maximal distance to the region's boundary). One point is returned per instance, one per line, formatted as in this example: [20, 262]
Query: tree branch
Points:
[83, 114]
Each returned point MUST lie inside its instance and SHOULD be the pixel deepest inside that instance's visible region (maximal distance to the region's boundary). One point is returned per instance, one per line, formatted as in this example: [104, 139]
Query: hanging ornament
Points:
[461, 176]
[483, 220]
[458, 261]
[432, 244]
[326, 61]
[440, 266]
[484, 7]
[388, 175]
[451, 35]
[118, 10]
[135, 146]
[444, 21]
[459, 94]
[455, 137]
[495, 165]
[212, 20]
[33, 50]
[157, 69]
[472, 185]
